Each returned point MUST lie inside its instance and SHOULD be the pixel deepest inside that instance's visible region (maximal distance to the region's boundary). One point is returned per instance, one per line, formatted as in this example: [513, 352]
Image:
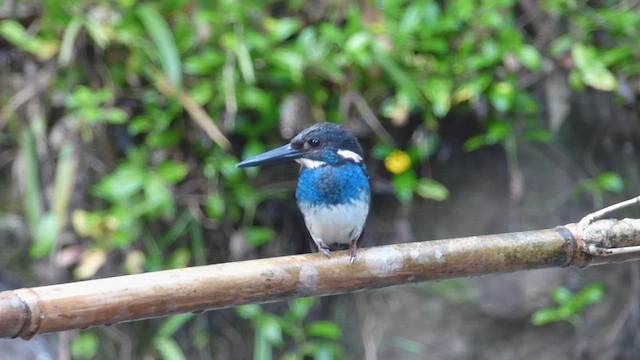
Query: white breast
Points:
[342, 223]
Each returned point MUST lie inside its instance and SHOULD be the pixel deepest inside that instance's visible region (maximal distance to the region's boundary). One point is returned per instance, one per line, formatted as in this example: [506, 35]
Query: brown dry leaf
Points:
[90, 261]
[134, 261]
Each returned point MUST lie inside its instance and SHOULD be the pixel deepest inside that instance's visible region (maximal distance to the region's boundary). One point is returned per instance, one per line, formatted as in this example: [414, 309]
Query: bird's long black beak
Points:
[272, 157]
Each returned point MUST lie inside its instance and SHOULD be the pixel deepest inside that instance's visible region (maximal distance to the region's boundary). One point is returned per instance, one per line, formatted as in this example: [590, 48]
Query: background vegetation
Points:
[121, 123]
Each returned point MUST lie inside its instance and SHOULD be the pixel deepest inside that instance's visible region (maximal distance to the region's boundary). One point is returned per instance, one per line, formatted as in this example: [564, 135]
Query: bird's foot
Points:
[325, 251]
[353, 251]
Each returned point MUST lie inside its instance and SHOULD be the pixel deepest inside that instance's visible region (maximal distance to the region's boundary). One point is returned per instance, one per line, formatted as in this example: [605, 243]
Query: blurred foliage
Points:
[598, 186]
[85, 345]
[569, 305]
[168, 84]
[163, 341]
[457, 291]
[318, 339]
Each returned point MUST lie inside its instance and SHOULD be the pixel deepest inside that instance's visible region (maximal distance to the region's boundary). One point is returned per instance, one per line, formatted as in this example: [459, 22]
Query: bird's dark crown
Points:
[320, 139]
[319, 145]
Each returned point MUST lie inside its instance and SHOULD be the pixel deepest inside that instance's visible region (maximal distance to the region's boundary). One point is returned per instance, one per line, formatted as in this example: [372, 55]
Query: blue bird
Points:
[333, 191]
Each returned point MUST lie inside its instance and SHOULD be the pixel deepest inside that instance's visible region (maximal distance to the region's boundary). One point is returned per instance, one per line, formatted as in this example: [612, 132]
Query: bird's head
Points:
[322, 144]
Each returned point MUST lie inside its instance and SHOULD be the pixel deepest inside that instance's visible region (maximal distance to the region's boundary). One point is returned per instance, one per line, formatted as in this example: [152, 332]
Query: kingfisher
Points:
[333, 190]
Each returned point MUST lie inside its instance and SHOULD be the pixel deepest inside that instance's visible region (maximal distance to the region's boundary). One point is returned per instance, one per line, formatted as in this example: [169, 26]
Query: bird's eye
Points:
[314, 143]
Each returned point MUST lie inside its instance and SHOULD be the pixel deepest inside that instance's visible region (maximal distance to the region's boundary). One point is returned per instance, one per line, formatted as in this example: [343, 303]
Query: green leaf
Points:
[617, 55]
[249, 311]
[412, 18]
[403, 185]
[172, 324]
[610, 181]
[529, 57]
[475, 142]
[66, 177]
[44, 235]
[164, 139]
[546, 316]
[202, 92]
[281, 29]
[591, 294]
[438, 91]
[561, 295]
[497, 131]
[570, 305]
[538, 135]
[501, 96]
[357, 42]
[262, 348]
[561, 46]
[591, 68]
[68, 40]
[33, 206]
[575, 80]
[256, 98]
[404, 81]
[599, 77]
[270, 330]
[158, 200]
[161, 35]
[489, 56]
[172, 171]
[204, 62]
[84, 346]
[381, 150]
[17, 35]
[115, 115]
[431, 189]
[259, 235]
[322, 350]
[472, 89]
[168, 348]
[245, 63]
[583, 56]
[84, 98]
[325, 329]
[227, 167]
[299, 308]
[215, 206]
[122, 183]
[289, 60]
[97, 31]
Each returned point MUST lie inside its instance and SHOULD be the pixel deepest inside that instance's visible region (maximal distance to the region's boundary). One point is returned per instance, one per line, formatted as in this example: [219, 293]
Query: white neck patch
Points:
[348, 154]
[311, 164]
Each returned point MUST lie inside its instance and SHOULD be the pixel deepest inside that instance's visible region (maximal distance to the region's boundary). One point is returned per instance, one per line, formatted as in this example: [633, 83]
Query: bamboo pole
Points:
[29, 311]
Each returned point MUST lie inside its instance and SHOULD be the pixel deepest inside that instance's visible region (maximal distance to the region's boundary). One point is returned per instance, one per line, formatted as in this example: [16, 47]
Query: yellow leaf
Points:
[90, 262]
[133, 262]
